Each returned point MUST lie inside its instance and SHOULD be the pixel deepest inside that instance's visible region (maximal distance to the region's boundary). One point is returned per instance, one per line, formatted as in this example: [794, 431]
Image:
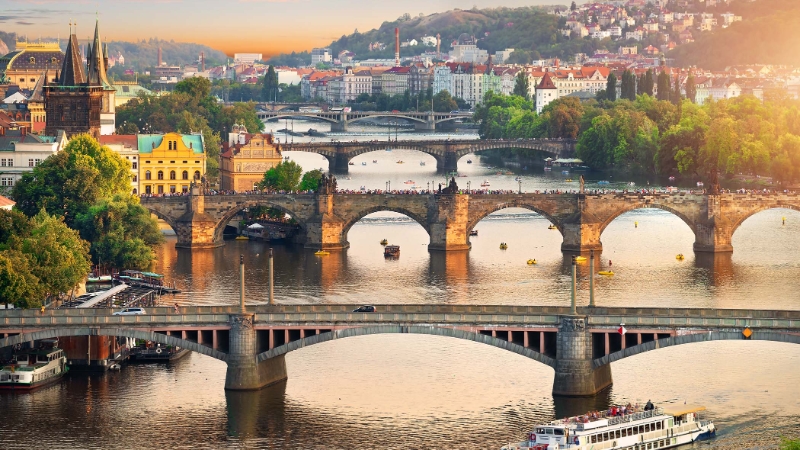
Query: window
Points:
[171, 174]
[147, 175]
[37, 161]
[30, 163]
[160, 189]
[172, 188]
[135, 165]
[135, 179]
[196, 174]
[172, 162]
[160, 175]
[147, 190]
[134, 191]
[184, 188]
[185, 175]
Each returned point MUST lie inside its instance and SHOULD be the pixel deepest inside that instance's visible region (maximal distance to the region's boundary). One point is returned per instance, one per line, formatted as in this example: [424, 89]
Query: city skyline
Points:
[256, 26]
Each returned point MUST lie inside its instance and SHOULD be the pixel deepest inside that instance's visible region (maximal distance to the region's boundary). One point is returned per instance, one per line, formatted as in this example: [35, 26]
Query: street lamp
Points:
[429, 187]
[389, 183]
[468, 184]
[520, 186]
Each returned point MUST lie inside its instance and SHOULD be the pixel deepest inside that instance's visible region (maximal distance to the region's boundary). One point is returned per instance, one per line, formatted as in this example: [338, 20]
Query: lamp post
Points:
[429, 187]
[468, 190]
[520, 186]
[573, 310]
[389, 184]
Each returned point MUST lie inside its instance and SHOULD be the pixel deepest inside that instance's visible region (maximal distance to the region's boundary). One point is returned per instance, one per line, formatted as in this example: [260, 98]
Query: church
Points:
[81, 99]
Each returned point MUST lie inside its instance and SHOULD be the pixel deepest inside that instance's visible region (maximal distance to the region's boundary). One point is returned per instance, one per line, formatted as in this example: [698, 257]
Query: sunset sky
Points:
[258, 26]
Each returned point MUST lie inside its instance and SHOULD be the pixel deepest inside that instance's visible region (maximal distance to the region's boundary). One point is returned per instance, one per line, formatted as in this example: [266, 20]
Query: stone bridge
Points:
[447, 153]
[425, 121]
[325, 219]
[579, 345]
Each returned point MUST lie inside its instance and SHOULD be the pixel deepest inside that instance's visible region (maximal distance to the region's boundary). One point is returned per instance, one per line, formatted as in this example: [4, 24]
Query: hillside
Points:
[144, 54]
[529, 29]
[768, 34]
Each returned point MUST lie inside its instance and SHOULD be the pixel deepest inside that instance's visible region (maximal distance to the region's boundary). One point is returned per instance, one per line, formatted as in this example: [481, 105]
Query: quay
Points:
[579, 344]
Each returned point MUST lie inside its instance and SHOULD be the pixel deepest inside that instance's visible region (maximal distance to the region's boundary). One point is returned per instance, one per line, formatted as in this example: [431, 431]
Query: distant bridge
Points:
[446, 152]
[339, 119]
[579, 345]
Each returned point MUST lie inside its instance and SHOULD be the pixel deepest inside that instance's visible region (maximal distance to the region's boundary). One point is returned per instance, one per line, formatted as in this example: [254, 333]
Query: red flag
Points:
[622, 330]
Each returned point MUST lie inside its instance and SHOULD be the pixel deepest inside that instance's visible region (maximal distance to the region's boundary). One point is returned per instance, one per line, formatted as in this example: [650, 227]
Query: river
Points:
[412, 391]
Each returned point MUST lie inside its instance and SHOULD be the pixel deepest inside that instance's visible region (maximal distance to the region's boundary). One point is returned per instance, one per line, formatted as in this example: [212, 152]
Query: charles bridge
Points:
[423, 121]
[578, 343]
[447, 153]
[325, 217]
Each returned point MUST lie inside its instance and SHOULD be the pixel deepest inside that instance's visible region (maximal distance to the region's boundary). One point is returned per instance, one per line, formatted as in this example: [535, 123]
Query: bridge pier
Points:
[340, 126]
[576, 375]
[449, 228]
[244, 372]
[581, 237]
[425, 126]
[340, 163]
[714, 237]
[325, 231]
[196, 229]
[447, 163]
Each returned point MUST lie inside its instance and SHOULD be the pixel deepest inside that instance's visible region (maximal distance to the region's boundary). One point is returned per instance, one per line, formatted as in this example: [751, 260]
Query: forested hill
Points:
[768, 34]
[530, 30]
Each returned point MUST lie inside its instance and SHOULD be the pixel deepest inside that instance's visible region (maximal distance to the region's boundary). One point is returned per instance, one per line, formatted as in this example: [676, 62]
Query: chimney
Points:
[397, 46]
[438, 45]
[202, 61]
[159, 56]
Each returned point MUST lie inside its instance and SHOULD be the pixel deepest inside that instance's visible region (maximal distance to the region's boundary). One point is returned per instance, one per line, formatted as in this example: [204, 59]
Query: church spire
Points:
[97, 68]
[72, 73]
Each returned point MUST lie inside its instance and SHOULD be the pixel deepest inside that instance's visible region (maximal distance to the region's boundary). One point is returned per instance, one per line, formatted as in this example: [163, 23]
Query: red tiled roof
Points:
[6, 202]
[546, 83]
[127, 140]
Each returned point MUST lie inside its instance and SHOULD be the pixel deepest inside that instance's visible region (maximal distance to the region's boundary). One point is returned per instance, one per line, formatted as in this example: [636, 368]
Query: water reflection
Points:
[255, 413]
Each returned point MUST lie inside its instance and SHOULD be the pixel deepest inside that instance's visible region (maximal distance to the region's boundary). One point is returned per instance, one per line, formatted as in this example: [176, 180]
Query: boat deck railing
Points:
[614, 420]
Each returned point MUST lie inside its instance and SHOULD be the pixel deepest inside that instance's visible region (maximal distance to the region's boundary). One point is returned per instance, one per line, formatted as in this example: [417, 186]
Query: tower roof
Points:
[72, 73]
[96, 61]
[547, 82]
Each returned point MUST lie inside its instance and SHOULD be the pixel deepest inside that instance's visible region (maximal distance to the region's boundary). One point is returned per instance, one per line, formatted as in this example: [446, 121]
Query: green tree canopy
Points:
[18, 285]
[283, 177]
[310, 181]
[522, 85]
[68, 182]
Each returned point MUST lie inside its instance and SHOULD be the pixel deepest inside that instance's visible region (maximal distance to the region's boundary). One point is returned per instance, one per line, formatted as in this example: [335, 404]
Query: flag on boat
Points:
[622, 330]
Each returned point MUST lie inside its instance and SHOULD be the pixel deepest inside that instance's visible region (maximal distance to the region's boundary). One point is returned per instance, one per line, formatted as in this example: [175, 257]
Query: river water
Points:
[410, 391]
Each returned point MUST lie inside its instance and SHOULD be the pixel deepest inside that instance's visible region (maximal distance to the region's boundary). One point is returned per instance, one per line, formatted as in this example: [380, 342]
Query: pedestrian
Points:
[609, 263]
[176, 308]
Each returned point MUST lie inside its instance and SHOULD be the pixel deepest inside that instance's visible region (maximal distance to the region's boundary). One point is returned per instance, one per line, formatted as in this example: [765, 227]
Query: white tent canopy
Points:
[255, 226]
[569, 161]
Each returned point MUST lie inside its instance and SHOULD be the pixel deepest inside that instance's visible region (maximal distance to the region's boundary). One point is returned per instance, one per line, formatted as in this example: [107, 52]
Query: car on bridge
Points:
[365, 308]
[130, 312]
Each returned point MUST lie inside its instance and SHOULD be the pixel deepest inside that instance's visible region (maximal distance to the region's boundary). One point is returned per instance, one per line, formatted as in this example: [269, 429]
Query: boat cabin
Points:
[550, 435]
[392, 251]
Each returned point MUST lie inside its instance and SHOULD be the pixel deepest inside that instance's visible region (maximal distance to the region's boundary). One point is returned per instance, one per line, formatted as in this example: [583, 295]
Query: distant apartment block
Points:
[321, 55]
[246, 58]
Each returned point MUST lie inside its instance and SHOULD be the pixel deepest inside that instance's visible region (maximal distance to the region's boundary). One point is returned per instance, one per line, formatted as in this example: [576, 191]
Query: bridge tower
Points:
[576, 375]
[449, 218]
[195, 228]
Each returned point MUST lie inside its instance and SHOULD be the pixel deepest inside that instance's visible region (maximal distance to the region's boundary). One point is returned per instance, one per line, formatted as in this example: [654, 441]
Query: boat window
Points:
[548, 431]
[605, 436]
[540, 431]
[641, 429]
[659, 425]
[558, 431]
[624, 432]
[647, 428]
[618, 433]
[594, 439]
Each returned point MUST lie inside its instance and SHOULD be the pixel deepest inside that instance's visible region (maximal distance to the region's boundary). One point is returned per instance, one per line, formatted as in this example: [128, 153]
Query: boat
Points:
[314, 133]
[518, 179]
[384, 241]
[603, 182]
[699, 184]
[531, 262]
[351, 163]
[565, 172]
[568, 180]
[242, 238]
[473, 232]
[469, 161]
[374, 161]
[503, 246]
[151, 352]
[548, 168]
[422, 163]
[34, 368]
[391, 251]
[363, 163]
[634, 429]
[322, 253]
[400, 161]
[485, 183]
[552, 227]
[606, 272]
[631, 184]
[679, 257]
[580, 258]
[408, 182]
[92, 278]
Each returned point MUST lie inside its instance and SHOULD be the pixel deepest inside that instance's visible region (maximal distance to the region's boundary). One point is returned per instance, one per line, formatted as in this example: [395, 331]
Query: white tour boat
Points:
[34, 368]
[656, 428]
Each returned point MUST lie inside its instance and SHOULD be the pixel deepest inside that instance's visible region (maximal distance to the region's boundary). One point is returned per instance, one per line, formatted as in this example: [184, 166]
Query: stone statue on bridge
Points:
[583, 183]
[452, 187]
[327, 185]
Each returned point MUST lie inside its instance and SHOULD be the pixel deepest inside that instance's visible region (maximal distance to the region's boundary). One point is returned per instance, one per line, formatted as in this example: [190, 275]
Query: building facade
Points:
[245, 158]
[29, 61]
[170, 163]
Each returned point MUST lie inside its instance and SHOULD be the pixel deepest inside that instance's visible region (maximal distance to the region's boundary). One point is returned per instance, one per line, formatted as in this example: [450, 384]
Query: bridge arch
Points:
[773, 336]
[311, 116]
[484, 213]
[422, 221]
[146, 335]
[372, 116]
[633, 207]
[761, 208]
[403, 329]
[220, 228]
[166, 218]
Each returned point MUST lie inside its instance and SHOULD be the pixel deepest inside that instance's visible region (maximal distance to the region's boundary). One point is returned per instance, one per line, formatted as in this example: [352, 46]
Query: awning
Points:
[255, 226]
[569, 161]
[679, 410]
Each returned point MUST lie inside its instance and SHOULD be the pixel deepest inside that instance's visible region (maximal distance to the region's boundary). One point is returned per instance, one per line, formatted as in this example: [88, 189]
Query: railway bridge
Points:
[446, 152]
[579, 344]
[424, 121]
[326, 217]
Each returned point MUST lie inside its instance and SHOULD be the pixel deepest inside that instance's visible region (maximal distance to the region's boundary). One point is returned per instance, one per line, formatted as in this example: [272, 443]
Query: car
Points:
[455, 111]
[130, 312]
[365, 308]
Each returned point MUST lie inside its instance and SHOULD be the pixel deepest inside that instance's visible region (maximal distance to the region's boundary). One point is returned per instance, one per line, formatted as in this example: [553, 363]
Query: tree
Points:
[628, 88]
[310, 181]
[562, 118]
[121, 232]
[283, 177]
[611, 87]
[664, 87]
[195, 87]
[691, 88]
[13, 226]
[573, 6]
[675, 97]
[649, 82]
[522, 85]
[18, 285]
[269, 91]
[443, 102]
[57, 255]
[68, 182]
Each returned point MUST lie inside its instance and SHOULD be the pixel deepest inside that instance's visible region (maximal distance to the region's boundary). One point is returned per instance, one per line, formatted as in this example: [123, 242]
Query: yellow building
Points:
[245, 158]
[170, 163]
[25, 65]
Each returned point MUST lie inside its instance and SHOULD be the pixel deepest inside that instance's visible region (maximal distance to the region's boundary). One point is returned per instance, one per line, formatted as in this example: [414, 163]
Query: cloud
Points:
[19, 22]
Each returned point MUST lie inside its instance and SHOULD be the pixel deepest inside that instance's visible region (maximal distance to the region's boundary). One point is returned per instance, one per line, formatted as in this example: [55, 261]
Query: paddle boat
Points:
[400, 161]
[552, 227]
[568, 180]
[473, 232]
[384, 242]
[363, 163]
[531, 262]
[391, 251]
[485, 183]
[469, 161]
[606, 273]
[242, 238]
[422, 163]
[580, 258]
[503, 246]
[679, 257]
[374, 161]
[322, 253]
[603, 182]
